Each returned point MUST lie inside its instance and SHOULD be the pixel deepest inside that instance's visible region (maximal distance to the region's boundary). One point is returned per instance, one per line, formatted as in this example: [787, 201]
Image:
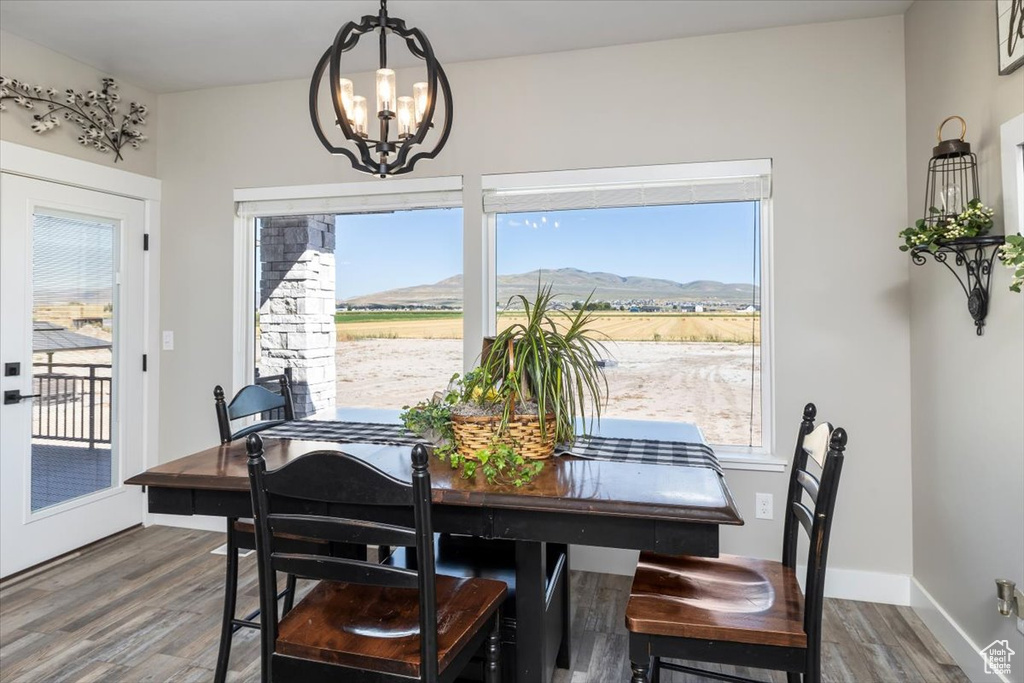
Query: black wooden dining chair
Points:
[363, 621]
[738, 610]
[271, 399]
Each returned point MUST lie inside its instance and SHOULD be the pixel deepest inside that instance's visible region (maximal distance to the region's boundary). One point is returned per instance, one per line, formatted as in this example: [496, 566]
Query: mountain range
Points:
[572, 284]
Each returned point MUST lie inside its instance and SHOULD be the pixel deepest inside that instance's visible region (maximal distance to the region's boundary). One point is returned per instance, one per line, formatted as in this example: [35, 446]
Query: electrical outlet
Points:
[764, 506]
[168, 340]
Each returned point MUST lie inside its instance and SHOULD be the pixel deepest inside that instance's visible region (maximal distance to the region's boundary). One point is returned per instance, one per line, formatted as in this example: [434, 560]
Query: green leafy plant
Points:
[432, 419]
[1011, 253]
[975, 221]
[551, 359]
[548, 364]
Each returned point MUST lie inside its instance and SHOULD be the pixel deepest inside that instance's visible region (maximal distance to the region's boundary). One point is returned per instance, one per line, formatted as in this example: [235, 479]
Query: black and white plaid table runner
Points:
[647, 451]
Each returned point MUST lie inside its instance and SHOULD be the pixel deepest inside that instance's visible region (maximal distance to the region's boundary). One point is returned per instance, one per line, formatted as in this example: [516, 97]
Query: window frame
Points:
[480, 259]
[254, 203]
[762, 458]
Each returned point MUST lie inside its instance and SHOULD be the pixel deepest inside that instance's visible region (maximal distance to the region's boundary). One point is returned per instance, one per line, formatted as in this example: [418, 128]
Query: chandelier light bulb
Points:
[419, 93]
[345, 85]
[386, 90]
[405, 116]
[359, 115]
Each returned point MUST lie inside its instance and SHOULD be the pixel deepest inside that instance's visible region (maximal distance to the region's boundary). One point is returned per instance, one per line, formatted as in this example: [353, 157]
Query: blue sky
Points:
[375, 252]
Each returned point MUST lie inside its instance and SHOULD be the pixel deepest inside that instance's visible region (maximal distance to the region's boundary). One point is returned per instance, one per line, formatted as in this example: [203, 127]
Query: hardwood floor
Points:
[145, 606]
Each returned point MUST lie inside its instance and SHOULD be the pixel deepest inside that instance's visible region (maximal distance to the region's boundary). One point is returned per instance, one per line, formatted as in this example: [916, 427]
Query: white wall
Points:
[35, 64]
[968, 400]
[825, 102]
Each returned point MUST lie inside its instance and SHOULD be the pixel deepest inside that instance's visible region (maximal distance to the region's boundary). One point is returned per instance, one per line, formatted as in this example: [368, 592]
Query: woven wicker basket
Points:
[523, 433]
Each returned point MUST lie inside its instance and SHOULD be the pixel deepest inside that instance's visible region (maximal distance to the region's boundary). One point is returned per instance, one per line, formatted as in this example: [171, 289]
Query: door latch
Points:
[14, 396]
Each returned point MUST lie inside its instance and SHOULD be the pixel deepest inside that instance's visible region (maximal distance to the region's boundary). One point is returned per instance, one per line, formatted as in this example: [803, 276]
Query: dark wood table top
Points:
[567, 483]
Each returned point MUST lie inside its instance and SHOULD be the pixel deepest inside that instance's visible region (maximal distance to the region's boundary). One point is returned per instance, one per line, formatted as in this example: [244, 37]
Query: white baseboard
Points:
[197, 522]
[857, 584]
[956, 641]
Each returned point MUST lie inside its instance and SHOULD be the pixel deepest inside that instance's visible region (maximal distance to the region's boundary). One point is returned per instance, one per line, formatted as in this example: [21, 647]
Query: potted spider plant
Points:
[536, 380]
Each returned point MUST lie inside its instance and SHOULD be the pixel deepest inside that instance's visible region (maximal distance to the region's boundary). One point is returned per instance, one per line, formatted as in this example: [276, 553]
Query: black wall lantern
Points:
[951, 187]
[402, 122]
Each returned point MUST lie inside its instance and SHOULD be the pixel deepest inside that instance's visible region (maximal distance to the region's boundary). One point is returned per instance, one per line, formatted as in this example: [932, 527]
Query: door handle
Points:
[14, 396]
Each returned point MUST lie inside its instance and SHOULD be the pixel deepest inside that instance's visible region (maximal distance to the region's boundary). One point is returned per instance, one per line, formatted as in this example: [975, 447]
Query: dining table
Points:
[628, 503]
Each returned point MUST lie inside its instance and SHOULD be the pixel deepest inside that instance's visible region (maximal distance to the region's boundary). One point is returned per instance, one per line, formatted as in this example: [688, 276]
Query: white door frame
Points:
[55, 168]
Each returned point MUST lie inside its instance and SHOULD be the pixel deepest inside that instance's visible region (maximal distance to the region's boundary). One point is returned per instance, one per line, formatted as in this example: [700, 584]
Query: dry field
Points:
[677, 327]
[705, 383]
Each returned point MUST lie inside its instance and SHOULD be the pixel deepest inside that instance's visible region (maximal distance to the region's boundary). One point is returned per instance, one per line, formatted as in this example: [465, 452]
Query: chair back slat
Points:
[326, 477]
[324, 568]
[356, 531]
[805, 517]
[816, 443]
[299, 497]
[253, 399]
[809, 483]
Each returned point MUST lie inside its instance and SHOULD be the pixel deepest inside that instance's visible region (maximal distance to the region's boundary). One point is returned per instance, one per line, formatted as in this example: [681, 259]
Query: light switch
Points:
[168, 340]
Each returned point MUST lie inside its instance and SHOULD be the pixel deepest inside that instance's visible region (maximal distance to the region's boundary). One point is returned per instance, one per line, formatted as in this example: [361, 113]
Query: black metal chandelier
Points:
[403, 122]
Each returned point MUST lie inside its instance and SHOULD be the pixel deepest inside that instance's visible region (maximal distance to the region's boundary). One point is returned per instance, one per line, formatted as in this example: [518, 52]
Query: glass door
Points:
[72, 364]
[74, 318]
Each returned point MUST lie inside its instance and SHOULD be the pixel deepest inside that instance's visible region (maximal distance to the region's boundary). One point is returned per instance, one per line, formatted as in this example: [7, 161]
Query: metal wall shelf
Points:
[970, 254]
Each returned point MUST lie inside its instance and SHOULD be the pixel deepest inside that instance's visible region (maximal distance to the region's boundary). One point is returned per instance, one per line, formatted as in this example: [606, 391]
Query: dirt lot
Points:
[705, 383]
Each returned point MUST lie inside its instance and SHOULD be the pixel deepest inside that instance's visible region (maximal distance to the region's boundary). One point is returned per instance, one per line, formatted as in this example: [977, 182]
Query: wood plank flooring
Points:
[145, 607]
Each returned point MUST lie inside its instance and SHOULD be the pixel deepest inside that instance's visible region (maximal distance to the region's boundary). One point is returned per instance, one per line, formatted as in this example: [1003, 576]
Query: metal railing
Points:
[73, 403]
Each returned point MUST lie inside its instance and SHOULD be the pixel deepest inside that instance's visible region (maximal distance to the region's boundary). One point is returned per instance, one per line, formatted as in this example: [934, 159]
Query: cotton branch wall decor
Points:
[95, 112]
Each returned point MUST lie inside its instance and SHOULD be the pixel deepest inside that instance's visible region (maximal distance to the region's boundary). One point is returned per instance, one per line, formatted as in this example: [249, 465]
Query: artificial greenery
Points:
[1011, 253]
[975, 221]
[500, 463]
[548, 364]
[433, 419]
[551, 359]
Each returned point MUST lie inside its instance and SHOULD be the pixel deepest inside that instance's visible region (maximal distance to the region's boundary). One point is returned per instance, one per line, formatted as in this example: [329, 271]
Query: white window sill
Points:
[733, 458]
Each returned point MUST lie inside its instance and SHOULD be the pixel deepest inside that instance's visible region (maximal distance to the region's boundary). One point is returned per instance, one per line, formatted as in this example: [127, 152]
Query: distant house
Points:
[79, 323]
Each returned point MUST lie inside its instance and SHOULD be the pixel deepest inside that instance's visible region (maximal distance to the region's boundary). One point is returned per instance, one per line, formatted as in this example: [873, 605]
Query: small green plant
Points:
[499, 463]
[551, 359]
[549, 365]
[1011, 253]
[433, 419]
[975, 221]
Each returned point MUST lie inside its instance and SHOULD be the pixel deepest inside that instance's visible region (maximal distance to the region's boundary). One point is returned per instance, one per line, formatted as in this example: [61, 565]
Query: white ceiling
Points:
[175, 45]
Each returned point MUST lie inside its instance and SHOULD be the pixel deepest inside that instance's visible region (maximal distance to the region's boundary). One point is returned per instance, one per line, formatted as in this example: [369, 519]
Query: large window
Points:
[399, 318]
[359, 309]
[672, 269]
[361, 294]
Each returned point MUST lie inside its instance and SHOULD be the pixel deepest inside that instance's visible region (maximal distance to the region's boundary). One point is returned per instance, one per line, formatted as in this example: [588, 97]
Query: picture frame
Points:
[1010, 35]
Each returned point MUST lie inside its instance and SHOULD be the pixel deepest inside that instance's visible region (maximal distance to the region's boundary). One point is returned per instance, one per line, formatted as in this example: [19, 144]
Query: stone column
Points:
[297, 307]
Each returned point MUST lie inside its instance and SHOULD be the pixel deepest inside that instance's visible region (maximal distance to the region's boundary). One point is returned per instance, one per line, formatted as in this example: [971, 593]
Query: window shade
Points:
[367, 203]
[737, 189]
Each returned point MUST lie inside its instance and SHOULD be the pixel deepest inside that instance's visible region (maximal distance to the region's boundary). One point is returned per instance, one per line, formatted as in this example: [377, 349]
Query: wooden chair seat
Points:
[376, 628]
[729, 598]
